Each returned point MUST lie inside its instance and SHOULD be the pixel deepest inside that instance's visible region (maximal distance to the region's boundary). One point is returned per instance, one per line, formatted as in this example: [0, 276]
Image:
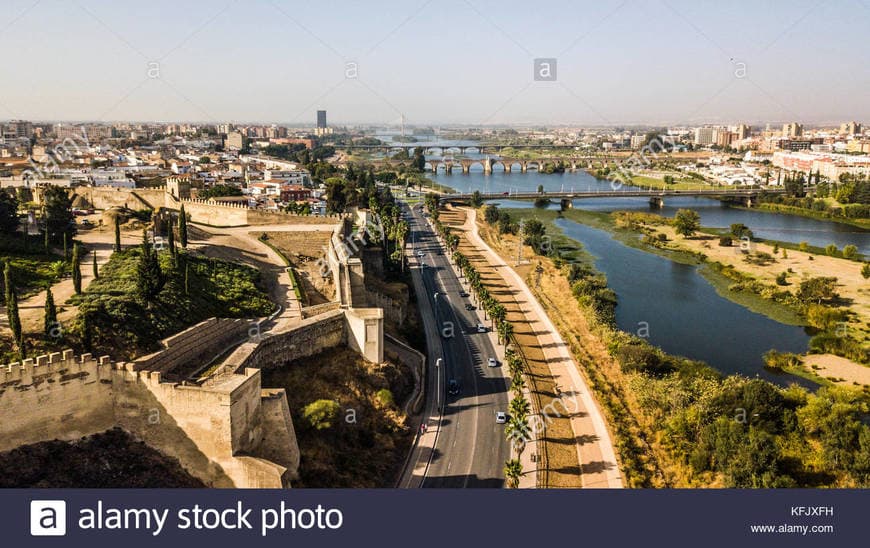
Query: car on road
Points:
[453, 387]
[420, 254]
[469, 306]
[492, 362]
[86, 222]
[500, 417]
[481, 328]
[463, 294]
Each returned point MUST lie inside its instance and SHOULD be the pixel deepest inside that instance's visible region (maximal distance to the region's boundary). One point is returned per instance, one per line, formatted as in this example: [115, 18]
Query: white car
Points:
[481, 328]
[420, 254]
[492, 362]
[500, 417]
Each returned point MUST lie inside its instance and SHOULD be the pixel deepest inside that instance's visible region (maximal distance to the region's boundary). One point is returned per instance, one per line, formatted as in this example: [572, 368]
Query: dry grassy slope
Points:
[303, 250]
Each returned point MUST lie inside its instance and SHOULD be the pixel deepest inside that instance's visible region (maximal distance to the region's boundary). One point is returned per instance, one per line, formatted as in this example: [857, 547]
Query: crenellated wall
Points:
[196, 344]
[54, 397]
[227, 431]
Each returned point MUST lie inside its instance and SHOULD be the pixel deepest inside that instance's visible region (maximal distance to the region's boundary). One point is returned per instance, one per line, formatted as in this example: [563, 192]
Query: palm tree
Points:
[517, 382]
[517, 431]
[498, 314]
[513, 469]
[520, 407]
[505, 330]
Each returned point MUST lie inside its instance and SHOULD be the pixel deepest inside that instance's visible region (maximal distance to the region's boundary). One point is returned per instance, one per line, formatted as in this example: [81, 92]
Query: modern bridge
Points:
[745, 196]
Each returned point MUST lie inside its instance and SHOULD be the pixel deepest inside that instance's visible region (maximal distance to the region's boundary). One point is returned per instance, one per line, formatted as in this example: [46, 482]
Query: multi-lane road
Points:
[469, 446]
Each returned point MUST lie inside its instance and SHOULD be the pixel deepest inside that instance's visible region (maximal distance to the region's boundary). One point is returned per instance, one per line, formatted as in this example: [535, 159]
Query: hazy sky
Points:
[444, 62]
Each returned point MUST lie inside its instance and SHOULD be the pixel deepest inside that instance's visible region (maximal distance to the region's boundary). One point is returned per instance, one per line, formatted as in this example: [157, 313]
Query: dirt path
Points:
[32, 310]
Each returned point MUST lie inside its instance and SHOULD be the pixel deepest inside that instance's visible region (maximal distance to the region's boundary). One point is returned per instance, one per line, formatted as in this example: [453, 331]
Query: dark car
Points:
[463, 294]
[453, 387]
[469, 306]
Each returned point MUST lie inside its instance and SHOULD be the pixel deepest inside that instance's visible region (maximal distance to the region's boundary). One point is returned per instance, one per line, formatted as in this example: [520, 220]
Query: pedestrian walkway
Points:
[598, 465]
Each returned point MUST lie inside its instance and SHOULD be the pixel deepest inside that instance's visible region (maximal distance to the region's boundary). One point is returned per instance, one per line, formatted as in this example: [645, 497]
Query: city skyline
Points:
[454, 63]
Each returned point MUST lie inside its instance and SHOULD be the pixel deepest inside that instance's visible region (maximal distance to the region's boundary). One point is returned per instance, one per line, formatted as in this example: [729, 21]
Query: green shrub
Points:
[850, 252]
[385, 397]
[320, 414]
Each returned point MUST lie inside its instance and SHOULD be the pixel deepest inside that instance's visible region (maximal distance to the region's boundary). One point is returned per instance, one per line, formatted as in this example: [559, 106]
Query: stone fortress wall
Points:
[225, 429]
[207, 212]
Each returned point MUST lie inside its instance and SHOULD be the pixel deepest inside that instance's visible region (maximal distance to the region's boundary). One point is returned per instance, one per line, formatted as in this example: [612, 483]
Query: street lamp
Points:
[438, 384]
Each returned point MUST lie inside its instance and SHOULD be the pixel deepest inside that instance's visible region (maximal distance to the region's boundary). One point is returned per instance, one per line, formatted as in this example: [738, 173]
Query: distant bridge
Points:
[745, 196]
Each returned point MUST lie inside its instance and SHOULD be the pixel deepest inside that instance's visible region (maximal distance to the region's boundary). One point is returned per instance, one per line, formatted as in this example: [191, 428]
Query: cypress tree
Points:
[22, 350]
[47, 245]
[65, 248]
[186, 278]
[182, 227]
[12, 303]
[117, 233]
[76, 268]
[86, 333]
[50, 314]
[149, 278]
[171, 236]
[96, 270]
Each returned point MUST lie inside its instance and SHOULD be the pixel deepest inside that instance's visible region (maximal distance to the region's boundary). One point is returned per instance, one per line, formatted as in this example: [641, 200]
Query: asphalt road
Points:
[470, 450]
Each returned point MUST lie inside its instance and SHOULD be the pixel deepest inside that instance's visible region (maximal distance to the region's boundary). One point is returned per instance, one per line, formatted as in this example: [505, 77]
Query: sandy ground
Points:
[850, 284]
[835, 367]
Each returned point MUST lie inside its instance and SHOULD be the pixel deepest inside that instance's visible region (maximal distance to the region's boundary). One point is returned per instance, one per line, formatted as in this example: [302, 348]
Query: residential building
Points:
[792, 130]
[850, 128]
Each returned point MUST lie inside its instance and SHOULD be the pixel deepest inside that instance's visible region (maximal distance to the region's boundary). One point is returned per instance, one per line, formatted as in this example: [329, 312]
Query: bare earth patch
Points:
[835, 367]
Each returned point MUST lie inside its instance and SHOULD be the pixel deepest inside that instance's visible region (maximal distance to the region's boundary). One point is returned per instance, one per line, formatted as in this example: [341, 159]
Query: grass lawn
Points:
[32, 268]
[125, 326]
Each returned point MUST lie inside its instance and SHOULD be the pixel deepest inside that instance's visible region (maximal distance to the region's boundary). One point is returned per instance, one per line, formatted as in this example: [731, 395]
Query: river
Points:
[682, 310]
[771, 226]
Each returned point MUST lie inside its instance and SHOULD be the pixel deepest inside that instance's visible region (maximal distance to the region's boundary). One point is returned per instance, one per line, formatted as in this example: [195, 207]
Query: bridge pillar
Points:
[507, 166]
[487, 165]
[466, 167]
[524, 167]
[657, 202]
[434, 166]
[747, 201]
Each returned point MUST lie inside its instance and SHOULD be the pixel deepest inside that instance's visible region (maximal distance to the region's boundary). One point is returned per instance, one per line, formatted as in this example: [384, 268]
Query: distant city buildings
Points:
[235, 141]
[322, 128]
[827, 165]
[792, 129]
[850, 128]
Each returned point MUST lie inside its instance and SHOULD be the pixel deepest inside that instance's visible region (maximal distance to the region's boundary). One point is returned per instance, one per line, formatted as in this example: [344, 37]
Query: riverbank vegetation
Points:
[678, 423]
